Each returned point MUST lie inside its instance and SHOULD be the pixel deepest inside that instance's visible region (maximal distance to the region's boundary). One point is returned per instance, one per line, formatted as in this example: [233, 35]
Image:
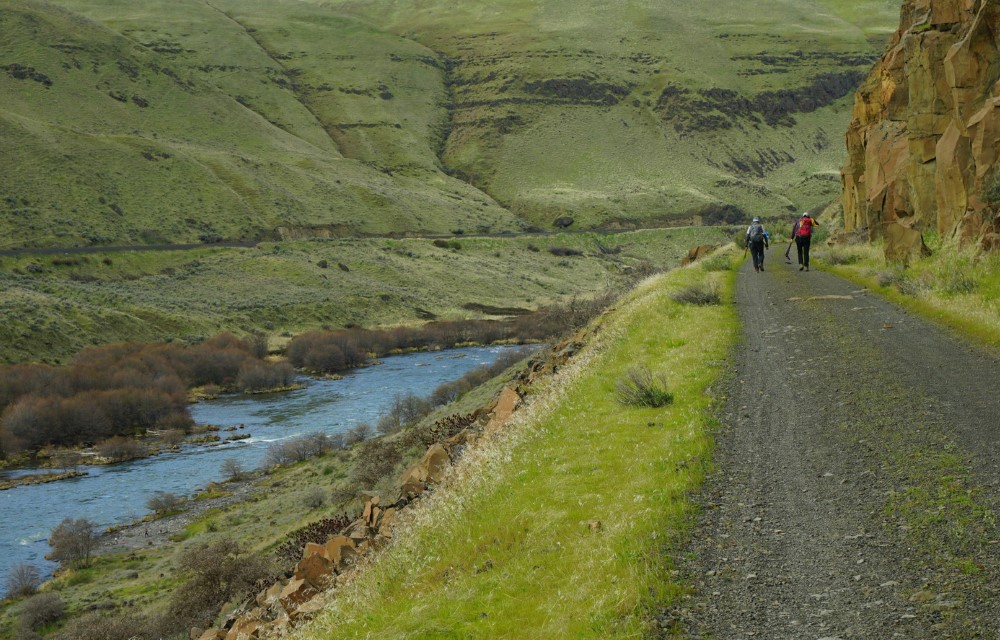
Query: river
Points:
[118, 493]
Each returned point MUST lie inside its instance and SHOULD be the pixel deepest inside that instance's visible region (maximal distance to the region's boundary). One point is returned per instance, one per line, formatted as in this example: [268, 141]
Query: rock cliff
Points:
[925, 133]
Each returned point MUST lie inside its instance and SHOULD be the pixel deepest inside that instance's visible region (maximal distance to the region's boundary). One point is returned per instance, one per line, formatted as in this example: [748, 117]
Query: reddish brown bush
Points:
[118, 389]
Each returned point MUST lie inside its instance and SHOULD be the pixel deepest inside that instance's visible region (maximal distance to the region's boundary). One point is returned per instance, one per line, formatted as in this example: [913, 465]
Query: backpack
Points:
[756, 233]
[805, 227]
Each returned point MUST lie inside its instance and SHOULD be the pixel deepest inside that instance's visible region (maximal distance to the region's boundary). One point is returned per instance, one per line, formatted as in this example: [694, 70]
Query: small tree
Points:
[233, 470]
[73, 540]
[358, 433]
[163, 502]
[22, 580]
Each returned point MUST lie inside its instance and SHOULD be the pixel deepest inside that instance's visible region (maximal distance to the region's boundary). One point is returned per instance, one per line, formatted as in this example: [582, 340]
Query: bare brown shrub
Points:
[119, 448]
[219, 572]
[73, 540]
[376, 460]
[22, 580]
[163, 502]
[40, 610]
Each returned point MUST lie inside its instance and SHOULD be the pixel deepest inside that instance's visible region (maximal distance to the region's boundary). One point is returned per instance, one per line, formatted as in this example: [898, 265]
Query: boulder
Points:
[563, 222]
[307, 610]
[213, 634]
[269, 596]
[506, 405]
[295, 593]
[904, 244]
[316, 570]
[696, 253]
[339, 549]
[430, 469]
[244, 630]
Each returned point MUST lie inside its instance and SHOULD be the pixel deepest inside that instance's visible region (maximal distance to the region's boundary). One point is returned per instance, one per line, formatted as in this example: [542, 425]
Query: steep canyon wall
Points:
[925, 133]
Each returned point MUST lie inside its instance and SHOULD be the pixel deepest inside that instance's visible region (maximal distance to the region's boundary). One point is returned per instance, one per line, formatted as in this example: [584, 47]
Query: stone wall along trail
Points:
[855, 487]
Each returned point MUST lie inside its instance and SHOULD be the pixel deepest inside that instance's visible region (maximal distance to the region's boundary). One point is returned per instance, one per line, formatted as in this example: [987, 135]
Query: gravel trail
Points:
[855, 490]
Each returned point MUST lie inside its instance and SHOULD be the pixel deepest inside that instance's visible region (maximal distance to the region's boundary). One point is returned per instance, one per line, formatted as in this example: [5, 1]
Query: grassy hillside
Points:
[55, 305]
[157, 122]
[174, 120]
[638, 110]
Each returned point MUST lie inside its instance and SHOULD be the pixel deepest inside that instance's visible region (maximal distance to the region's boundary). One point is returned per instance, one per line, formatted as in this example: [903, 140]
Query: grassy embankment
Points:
[512, 546]
[957, 288]
[54, 306]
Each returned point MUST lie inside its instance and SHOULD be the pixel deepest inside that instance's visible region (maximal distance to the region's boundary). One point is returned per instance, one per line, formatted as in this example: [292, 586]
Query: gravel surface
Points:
[855, 484]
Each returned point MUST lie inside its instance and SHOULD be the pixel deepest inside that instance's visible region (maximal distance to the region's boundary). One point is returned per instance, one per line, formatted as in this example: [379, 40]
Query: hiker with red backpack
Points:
[757, 241]
[802, 234]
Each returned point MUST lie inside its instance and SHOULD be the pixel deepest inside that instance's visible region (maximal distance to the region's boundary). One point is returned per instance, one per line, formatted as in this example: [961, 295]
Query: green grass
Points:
[954, 287]
[55, 306]
[173, 121]
[509, 546]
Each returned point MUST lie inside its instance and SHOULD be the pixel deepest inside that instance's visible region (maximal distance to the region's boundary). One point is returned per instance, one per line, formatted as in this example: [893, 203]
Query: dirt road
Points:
[855, 493]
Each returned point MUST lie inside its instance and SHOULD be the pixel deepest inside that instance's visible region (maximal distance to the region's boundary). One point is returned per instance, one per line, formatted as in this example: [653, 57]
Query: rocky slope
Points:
[926, 128]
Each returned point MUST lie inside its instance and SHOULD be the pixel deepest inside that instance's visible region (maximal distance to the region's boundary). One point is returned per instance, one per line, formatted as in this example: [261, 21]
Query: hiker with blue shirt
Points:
[757, 241]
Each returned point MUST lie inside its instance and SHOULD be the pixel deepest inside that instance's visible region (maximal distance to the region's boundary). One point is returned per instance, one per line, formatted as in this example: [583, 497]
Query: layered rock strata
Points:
[925, 134]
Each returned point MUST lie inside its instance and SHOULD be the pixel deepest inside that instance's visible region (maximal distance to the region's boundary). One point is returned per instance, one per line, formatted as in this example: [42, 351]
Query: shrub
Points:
[40, 610]
[73, 540]
[314, 498]
[990, 193]
[220, 572]
[233, 470]
[697, 294]
[261, 376]
[105, 626]
[376, 460]
[564, 251]
[717, 263]
[163, 502]
[358, 433]
[836, 257]
[119, 448]
[642, 388]
[22, 580]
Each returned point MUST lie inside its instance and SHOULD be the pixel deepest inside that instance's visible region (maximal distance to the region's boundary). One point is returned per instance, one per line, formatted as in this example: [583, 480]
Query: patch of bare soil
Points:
[855, 485]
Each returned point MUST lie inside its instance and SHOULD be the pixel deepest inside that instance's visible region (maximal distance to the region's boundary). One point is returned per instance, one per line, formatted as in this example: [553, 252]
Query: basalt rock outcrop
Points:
[925, 135]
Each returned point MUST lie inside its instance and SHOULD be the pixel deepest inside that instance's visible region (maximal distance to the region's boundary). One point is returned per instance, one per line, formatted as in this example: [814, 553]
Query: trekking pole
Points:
[787, 258]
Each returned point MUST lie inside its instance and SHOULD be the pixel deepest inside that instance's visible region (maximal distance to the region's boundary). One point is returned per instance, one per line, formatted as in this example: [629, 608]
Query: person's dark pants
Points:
[757, 253]
[802, 245]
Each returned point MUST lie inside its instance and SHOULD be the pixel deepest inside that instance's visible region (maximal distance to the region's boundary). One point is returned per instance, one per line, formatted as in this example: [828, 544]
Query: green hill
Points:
[179, 120]
[171, 121]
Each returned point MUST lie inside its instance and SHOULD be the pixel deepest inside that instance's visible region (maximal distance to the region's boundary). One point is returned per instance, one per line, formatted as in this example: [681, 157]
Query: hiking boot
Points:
[761, 267]
[807, 267]
[801, 267]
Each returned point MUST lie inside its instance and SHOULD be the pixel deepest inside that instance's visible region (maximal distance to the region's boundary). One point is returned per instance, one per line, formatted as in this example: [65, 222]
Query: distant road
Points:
[49, 251]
